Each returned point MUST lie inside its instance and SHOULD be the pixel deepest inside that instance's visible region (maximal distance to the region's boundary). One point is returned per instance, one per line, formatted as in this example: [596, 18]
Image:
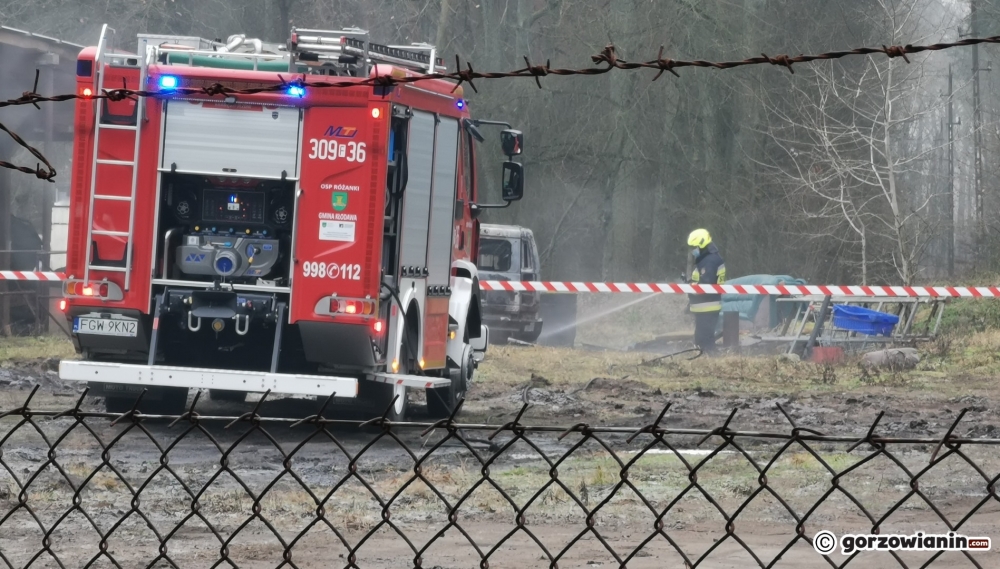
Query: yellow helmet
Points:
[699, 238]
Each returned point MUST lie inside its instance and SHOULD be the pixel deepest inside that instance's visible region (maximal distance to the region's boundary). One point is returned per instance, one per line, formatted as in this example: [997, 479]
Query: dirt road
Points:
[234, 485]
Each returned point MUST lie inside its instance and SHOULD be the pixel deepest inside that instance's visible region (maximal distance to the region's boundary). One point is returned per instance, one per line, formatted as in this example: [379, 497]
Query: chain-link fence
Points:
[82, 489]
[29, 308]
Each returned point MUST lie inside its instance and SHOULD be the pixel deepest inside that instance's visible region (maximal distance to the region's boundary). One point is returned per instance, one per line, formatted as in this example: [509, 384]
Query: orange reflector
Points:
[395, 366]
[421, 363]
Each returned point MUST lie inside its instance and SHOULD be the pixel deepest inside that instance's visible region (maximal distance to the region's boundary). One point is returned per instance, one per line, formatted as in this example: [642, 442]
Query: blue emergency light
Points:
[168, 82]
[296, 91]
[460, 104]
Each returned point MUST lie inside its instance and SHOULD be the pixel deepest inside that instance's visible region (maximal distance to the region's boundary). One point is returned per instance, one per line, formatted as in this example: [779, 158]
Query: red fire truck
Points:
[309, 241]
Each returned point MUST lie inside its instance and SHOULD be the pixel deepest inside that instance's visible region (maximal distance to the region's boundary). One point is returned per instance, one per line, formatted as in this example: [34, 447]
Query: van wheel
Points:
[530, 336]
[442, 400]
[171, 401]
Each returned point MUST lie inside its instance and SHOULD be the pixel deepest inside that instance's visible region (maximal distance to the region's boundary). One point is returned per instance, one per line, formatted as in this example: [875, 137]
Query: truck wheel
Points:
[402, 405]
[442, 401]
[171, 401]
[381, 394]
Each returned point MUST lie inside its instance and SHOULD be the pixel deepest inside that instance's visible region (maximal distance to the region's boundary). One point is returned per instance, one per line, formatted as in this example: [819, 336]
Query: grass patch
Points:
[951, 366]
[512, 366]
[27, 348]
[964, 316]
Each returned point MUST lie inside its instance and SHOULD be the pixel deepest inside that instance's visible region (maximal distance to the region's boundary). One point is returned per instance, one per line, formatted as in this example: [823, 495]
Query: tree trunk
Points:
[625, 189]
[284, 19]
[903, 265]
[442, 31]
[864, 259]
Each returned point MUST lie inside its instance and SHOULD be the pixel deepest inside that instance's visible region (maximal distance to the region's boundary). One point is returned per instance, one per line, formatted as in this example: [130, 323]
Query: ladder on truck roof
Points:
[352, 47]
[105, 48]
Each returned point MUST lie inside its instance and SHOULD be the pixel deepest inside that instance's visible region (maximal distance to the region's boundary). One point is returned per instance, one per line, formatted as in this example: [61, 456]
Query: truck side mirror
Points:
[513, 181]
[512, 142]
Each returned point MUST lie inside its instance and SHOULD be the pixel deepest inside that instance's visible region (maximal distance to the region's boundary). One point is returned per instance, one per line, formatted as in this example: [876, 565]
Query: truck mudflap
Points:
[415, 381]
[204, 378]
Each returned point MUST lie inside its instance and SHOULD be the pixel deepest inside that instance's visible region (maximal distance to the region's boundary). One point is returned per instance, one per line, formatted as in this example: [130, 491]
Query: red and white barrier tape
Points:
[673, 288]
[818, 290]
[31, 276]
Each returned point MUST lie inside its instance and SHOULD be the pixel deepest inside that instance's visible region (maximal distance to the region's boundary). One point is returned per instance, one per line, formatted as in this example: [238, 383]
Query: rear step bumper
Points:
[203, 378]
[414, 381]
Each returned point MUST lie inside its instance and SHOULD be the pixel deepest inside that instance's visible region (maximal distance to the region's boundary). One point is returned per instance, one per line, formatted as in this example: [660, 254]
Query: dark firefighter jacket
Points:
[708, 269]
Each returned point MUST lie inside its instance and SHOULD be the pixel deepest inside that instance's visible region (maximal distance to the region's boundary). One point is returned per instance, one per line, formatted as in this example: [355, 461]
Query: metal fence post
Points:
[731, 330]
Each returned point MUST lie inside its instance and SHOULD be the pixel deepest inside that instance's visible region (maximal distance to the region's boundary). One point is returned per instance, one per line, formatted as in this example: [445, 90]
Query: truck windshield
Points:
[495, 255]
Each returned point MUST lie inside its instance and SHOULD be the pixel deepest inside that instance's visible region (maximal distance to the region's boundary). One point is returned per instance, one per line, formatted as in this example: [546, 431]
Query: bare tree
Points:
[852, 152]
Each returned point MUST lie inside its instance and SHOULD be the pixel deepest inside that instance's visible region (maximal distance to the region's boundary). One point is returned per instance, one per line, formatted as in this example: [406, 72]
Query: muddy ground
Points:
[911, 408]
[563, 387]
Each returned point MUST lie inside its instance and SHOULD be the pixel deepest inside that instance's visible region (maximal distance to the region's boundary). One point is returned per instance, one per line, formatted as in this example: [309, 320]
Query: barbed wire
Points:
[607, 60]
[48, 173]
[80, 457]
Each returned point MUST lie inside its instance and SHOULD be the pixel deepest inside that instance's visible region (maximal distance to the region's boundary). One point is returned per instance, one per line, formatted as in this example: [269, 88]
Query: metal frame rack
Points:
[351, 48]
[818, 310]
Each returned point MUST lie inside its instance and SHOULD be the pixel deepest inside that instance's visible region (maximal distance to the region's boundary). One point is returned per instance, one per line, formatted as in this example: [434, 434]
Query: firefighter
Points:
[708, 269]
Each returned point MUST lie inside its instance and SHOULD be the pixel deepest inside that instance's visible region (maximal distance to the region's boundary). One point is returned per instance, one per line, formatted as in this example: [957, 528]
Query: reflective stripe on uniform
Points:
[713, 306]
[721, 274]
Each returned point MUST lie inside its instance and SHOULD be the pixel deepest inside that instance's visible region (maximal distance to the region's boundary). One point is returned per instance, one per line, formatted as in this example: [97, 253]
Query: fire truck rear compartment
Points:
[223, 261]
[225, 229]
[222, 274]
